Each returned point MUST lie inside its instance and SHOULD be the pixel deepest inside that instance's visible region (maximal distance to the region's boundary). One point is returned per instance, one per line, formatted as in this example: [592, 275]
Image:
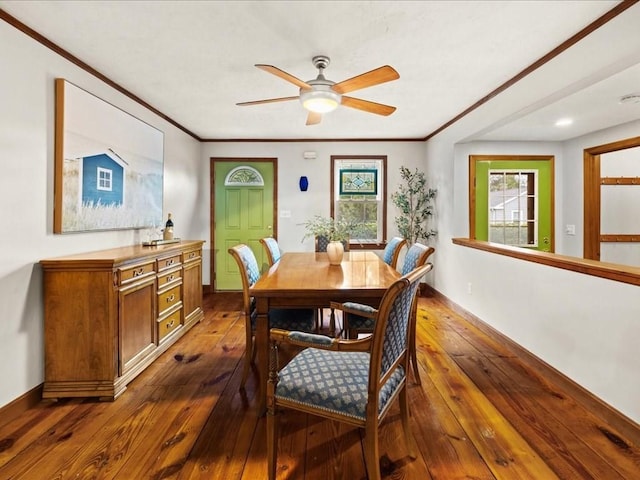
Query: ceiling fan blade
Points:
[284, 75]
[367, 106]
[364, 80]
[314, 118]
[268, 100]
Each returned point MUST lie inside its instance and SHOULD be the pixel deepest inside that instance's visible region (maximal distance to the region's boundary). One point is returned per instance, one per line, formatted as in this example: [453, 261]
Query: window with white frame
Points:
[105, 179]
[513, 207]
[358, 194]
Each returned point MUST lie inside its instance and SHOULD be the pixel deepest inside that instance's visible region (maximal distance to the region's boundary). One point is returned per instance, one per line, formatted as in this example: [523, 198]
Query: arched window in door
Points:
[244, 175]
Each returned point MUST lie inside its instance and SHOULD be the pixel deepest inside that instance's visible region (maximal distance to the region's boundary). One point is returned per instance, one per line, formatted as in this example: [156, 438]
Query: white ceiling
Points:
[193, 61]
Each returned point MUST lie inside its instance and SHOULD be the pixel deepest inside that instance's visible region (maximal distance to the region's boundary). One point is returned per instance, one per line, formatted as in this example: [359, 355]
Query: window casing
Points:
[104, 179]
[482, 212]
[358, 193]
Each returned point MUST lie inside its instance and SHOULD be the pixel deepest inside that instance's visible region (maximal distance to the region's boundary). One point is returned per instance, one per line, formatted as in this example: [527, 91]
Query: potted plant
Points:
[336, 231]
[415, 202]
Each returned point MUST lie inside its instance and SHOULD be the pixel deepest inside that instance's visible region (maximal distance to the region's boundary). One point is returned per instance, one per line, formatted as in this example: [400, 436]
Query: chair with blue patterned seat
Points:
[355, 321]
[272, 249]
[351, 381]
[416, 256]
[392, 251]
[290, 319]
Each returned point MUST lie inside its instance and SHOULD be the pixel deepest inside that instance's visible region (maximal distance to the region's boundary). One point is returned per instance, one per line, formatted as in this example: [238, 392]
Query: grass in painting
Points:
[140, 208]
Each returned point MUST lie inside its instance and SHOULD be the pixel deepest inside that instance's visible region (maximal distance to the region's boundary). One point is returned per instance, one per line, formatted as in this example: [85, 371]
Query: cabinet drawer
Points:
[168, 262]
[191, 255]
[168, 278]
[126, 275]
[169, 324]
[168, 299]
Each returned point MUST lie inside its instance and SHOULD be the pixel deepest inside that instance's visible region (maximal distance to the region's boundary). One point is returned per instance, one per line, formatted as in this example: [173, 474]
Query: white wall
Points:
[585, 327]
[26, 189]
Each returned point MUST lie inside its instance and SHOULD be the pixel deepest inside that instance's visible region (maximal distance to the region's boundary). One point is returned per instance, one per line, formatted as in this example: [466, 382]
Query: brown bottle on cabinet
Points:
[168, 229]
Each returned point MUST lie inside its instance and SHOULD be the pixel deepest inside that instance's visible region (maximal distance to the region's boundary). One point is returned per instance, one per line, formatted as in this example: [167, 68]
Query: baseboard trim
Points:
[21, 404]
[609, 414]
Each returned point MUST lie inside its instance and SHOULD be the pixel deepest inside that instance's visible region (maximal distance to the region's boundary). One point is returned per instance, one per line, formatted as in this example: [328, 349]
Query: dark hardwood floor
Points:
[485, 410]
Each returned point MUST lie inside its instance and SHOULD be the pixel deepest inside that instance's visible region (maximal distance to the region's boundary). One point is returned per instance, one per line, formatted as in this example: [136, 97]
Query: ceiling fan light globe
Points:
[320, 101]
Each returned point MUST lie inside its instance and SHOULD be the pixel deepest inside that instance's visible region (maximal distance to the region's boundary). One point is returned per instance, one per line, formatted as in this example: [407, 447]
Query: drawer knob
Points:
[170, 324]
[169, 262]
[137, 273]
[170, 278]
[171, 298]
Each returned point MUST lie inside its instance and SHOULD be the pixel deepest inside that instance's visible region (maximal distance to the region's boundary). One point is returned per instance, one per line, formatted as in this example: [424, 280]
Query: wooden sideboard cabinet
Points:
[109, 314]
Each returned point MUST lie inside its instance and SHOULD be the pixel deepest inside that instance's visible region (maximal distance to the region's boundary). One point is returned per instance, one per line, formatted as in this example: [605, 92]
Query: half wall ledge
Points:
[610, 271]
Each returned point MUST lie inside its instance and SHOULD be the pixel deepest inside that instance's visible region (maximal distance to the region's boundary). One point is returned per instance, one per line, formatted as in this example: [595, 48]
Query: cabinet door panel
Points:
[137, 323]
[192, 291]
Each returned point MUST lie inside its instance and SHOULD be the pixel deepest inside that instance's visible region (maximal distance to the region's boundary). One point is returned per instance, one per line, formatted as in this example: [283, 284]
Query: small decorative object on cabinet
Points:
[110, 314]
[304, 184]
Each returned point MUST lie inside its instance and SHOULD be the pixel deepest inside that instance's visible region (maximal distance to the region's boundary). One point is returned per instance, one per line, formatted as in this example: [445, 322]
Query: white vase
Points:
[335, 251]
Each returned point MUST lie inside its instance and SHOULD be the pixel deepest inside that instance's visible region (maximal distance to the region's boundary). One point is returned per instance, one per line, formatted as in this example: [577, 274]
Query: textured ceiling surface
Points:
[194, 60]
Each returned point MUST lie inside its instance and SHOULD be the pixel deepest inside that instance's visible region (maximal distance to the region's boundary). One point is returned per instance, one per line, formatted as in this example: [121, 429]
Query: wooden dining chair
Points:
[272, 249]
[392, 251]
[417, 255]
[290, 319]
[350, 381]
[355, 323]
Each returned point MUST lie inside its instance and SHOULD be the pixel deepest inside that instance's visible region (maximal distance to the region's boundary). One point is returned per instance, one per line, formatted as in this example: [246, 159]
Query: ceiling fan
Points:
[320, 95]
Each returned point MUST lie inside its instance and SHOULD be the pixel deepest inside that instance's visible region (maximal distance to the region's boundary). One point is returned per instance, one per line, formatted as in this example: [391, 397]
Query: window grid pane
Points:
[364, 210]
[104, 179]
[512, 207]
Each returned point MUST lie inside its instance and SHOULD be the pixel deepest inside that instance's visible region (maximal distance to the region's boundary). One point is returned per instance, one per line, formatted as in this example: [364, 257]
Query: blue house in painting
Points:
[102, 180]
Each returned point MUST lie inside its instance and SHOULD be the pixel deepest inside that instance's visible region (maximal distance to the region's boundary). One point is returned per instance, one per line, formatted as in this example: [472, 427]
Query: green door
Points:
[514, 202]
[244, 213]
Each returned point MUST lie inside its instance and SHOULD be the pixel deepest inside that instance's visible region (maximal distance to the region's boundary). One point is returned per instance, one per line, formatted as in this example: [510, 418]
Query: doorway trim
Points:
[592, 196]
[474, 159]
[212, 203]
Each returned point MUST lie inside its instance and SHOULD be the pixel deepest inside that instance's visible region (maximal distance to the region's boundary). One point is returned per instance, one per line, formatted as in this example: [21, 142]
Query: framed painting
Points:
[358, 181]
[108, 165]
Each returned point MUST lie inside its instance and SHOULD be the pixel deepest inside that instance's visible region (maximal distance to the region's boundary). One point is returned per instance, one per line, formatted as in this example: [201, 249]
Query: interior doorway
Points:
[512, 200]
[619, 189]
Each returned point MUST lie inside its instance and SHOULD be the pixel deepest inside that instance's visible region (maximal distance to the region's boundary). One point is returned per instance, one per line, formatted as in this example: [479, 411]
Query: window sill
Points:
[367, 246]
[610, 271]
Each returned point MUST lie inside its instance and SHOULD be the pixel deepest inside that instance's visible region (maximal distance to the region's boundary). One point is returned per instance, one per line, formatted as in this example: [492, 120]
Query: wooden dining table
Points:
[306, 279]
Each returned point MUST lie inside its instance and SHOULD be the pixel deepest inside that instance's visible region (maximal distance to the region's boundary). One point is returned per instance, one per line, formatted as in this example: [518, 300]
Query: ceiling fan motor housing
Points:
[320, 98]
